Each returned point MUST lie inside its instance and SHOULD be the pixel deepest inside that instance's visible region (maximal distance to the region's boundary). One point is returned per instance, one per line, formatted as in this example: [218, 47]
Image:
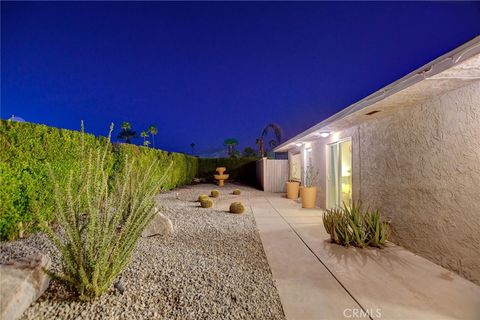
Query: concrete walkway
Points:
[320, 280]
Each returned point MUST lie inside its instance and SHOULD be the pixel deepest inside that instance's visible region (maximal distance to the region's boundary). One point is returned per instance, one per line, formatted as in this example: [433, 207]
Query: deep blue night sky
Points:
[203, 72]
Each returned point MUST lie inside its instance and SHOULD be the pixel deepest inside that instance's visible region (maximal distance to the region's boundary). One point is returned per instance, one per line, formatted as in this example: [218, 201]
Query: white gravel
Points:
[212, 267]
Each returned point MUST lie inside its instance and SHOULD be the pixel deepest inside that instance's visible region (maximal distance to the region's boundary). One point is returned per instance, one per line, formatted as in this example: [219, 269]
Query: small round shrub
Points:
[237, 207]
[206, 203]
[201, 197]
[215, 193]
[237, 192]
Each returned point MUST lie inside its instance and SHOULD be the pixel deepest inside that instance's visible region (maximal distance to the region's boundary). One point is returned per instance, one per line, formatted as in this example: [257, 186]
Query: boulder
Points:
[22, 282]
[160, 225]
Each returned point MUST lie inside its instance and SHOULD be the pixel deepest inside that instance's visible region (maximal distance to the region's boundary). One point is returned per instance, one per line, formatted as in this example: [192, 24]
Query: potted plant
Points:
[309, 190]
[292, 187]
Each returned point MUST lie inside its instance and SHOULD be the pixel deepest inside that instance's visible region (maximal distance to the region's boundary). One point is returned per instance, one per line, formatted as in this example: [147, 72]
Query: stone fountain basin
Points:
[221, 170]
[220, 176]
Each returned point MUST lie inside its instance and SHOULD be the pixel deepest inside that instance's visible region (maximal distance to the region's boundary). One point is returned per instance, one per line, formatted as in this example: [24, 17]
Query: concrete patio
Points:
[320, 280]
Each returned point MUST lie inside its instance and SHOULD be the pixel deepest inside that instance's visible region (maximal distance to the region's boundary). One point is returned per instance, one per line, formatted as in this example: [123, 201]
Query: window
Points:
[339, 173]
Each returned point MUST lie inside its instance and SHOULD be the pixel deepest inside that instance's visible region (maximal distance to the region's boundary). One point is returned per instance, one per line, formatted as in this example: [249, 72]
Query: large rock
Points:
[22, 281]
[160, 225]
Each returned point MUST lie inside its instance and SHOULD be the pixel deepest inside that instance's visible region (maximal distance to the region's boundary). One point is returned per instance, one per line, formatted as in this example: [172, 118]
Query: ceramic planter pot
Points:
[292, 189]
[309, 197]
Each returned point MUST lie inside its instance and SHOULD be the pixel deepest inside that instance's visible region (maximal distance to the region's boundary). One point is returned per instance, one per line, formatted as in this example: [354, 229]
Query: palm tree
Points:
[126, 134]
[272, 144]
[144, 135]
[126, 125]
[277, 131]
[153, 131]
[230, 143]
[261, 147]
[192, 145]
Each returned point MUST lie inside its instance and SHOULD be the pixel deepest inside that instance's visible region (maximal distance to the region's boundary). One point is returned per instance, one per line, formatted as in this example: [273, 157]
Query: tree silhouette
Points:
[153, 131]
[277, 131]
[231, 143]
[249, 152]
[272, 144]
[126, 133]
[144, 135]
[261, 147]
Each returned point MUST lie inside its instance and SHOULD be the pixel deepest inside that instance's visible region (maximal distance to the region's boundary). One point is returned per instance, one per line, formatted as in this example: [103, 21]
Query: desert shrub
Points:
[206, 203]
[98, 226]
[237, 207]
[26, 193]
[237, 192]
[201, 197]
[354, 225]
[214, 193]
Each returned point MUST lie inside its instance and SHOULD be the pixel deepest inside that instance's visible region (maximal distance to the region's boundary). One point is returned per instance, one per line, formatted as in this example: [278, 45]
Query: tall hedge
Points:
[25, 186]
[239, 169]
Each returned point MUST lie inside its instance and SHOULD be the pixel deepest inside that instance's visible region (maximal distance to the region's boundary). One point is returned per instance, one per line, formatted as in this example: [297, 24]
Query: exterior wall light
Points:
[298, 144]
[324, 134]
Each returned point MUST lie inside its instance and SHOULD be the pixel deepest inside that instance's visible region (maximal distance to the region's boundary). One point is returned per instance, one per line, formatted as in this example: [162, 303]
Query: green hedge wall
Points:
[239, 169]
[25, 186]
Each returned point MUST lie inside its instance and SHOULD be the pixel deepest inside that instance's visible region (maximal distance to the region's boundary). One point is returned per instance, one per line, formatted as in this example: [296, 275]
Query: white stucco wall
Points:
[421, 167]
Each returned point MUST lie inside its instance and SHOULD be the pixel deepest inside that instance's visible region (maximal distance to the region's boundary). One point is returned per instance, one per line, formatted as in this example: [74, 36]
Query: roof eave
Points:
[440, 64]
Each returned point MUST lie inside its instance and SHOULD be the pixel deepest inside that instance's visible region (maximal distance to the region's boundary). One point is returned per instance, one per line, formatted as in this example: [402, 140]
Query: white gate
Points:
[272, 174]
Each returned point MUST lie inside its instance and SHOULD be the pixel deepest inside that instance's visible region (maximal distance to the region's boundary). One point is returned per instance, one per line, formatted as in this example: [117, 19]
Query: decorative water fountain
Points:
[221, 177]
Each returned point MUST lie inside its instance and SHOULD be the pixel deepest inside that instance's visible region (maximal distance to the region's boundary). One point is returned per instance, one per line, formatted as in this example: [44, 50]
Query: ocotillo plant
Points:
[99, 221]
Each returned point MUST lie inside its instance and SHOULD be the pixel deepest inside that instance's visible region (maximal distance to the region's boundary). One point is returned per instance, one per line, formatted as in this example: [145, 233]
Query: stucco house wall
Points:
[421, 166]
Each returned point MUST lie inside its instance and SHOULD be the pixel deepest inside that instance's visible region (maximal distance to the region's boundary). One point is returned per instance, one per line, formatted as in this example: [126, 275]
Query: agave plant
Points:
[377, 230]
[355, 216]
[332, 220]
[353, 225]
[99, 221]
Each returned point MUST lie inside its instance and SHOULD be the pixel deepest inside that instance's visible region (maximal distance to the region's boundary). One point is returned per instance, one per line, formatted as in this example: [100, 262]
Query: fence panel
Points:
[272, 174]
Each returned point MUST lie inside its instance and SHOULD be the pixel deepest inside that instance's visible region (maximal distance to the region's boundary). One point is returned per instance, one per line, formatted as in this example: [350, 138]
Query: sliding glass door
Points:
[339, 173]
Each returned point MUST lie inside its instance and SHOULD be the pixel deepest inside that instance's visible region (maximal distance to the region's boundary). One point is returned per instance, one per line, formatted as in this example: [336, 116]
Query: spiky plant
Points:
[353, 225]
[377, 230]
[215, 193]
[332, 219]
[344, 231]
[355, 217]
[99, 221]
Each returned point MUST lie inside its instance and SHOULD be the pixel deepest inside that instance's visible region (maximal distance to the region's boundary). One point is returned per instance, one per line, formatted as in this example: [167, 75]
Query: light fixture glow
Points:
[298, 144]
[324, 134]
[309, 149]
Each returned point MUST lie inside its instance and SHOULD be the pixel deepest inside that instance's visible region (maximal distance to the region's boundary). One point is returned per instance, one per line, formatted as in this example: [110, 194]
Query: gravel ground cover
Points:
[212, 267]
